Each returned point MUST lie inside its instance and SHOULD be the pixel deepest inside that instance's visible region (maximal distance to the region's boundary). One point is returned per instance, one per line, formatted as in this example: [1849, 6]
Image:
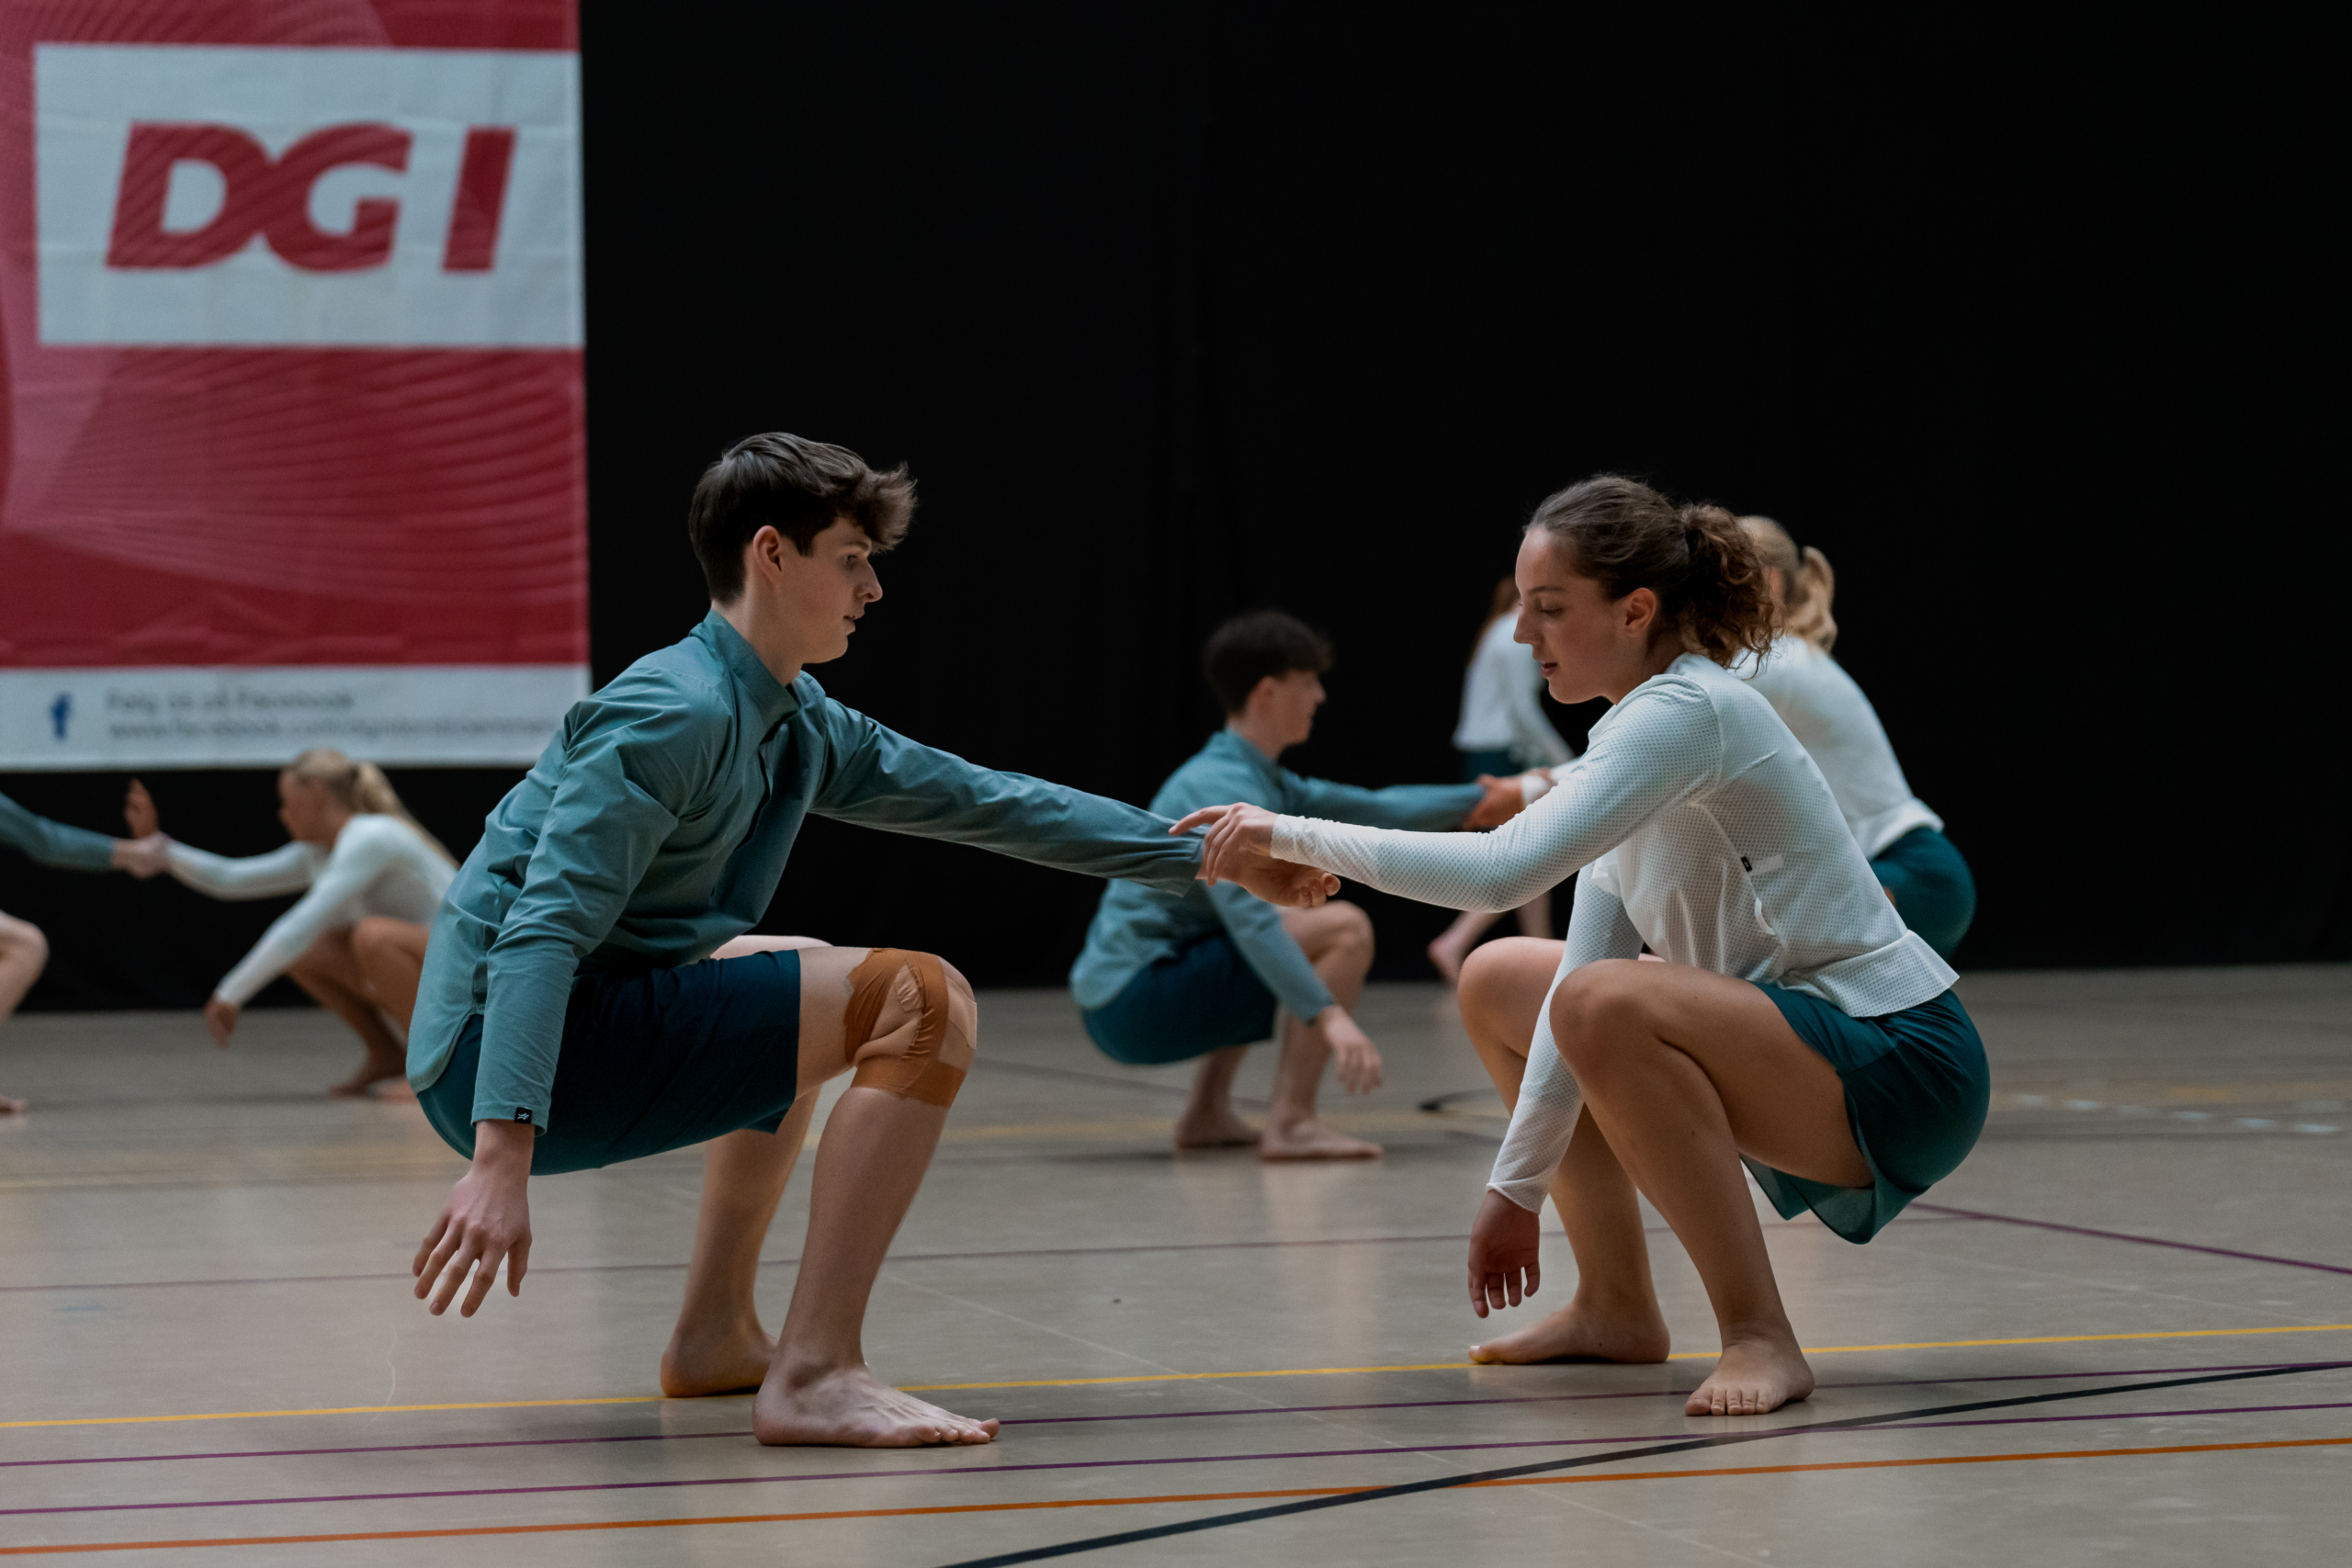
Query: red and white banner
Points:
[291, 446]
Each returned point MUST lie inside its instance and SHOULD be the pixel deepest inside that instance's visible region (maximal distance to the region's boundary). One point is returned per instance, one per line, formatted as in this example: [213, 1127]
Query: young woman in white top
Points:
[1502, 731]
[1796, 1026]
[370, 879]
[1915, 862]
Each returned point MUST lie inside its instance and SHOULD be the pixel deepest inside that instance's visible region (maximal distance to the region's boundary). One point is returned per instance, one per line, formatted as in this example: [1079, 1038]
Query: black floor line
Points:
[1378, 1493]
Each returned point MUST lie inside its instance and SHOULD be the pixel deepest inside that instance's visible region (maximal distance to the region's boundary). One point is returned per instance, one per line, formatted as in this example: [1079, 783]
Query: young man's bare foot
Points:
[1311, 1140]
[848, 1407]
[1579, 1333]
[1752, 1377]
[733, 1361]
[376, 1069]
[1448, 957]
[12, 1107]
[1217, 1129]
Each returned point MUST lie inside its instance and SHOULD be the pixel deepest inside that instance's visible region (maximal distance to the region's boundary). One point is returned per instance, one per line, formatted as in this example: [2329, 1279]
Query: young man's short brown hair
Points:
[797, 486]
[1247, 649]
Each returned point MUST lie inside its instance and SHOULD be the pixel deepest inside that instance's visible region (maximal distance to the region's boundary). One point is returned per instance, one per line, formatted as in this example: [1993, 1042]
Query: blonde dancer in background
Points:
[1502, 731]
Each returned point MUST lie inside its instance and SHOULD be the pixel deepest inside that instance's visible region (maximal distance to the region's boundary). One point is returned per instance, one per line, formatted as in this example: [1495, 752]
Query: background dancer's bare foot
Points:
[1751, 1378]
[1579, 1333]
[1214, 1129]
[733, 1362]
[376, 1069]
[848, 1407]
[1311, 1140]
[1448, 956]
[9, 1107]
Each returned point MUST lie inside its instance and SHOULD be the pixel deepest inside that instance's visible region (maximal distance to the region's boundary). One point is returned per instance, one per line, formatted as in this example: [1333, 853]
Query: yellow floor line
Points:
[1162, 1377]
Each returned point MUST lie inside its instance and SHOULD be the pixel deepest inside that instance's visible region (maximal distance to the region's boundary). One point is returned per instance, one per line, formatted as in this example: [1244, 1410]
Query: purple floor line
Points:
[1386, 1450]
[2125, 1236]
[1136, 1416]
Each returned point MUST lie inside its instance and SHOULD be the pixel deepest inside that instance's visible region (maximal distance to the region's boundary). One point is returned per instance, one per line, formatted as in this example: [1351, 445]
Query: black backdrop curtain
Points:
[1182, 309]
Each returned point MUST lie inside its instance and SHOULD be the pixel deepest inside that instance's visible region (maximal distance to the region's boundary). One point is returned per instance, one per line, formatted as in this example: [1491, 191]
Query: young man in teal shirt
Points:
[567, 1018]
[1173, 973]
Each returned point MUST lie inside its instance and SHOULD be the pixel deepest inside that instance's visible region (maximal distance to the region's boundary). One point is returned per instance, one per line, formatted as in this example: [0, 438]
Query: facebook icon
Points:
[60, 711]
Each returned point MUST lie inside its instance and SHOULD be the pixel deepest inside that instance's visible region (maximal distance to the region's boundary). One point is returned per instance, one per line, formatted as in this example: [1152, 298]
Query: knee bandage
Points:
[909, 1027]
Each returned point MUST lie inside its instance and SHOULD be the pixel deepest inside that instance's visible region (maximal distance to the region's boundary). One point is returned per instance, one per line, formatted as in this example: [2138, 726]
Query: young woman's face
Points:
[306, 808]
[1587, 645]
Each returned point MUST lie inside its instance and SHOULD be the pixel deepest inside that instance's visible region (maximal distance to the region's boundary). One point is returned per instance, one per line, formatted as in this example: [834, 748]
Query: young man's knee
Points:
[912, 1026]
[22, 941]
[1350, 931]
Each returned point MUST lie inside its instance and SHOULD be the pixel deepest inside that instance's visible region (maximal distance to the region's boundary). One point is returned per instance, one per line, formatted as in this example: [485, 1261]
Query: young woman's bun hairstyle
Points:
[1697, 558]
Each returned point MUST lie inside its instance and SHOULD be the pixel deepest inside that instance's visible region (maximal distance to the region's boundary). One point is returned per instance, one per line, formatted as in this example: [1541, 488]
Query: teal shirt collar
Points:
[771, 699]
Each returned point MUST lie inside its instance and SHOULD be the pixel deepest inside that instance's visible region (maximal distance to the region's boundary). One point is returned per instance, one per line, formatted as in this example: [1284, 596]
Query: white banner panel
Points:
[356, 198]
[420, 714]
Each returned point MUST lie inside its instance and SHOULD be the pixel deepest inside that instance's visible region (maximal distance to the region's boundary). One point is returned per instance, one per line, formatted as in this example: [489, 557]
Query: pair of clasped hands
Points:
[1238, 846]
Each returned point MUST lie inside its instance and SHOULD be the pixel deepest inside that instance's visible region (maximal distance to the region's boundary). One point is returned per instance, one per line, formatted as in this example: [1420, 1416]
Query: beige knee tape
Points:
[909, 1028]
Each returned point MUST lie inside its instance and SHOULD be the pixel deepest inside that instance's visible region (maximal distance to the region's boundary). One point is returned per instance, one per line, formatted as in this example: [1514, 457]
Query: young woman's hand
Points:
[1238, 848]
[144, 857]
[1355, 1060]
[220, 1018]
[139, 811]
[488, 1217]
[1504, 1242]
[1506, 798]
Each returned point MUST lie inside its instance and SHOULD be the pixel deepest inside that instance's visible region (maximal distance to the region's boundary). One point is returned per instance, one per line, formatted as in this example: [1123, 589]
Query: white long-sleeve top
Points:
[1499, 711]
[379, 866]
[1698, 825]
[1827, 711]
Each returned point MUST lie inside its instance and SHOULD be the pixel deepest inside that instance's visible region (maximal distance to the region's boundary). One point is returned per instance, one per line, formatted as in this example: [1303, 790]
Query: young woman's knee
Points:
[1592, 1009]
[377, 937]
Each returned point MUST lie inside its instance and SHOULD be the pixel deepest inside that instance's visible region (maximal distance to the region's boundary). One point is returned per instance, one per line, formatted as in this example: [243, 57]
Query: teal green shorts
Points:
[1916, 1087]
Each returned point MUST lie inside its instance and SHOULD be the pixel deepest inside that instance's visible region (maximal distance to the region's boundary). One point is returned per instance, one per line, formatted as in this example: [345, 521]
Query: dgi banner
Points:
[291, 446]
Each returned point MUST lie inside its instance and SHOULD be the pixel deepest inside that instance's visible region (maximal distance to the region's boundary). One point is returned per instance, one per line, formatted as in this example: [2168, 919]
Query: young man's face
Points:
[1289, 702]
[818, 597]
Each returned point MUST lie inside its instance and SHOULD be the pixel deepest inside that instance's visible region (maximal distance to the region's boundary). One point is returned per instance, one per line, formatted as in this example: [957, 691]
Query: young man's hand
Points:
[1238, 848]
[1355, 1060]
[1505, 799]
[220, 1018]
[488, 1217]
[142, 857]
[1504, 1244]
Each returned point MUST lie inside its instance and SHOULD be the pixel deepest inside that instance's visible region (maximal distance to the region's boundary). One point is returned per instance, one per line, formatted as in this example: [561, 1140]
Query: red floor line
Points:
[1045, 1503]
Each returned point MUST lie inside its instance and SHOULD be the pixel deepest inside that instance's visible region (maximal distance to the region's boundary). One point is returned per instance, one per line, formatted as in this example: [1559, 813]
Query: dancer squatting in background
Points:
[1822, 706]
[1797, 1025]
[24, 952]
[370, 880]
[1502, 731]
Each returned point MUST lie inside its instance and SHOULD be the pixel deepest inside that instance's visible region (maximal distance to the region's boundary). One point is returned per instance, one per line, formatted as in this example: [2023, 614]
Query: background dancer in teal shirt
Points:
[24, 952]
[1196, 972]
[566, 1018]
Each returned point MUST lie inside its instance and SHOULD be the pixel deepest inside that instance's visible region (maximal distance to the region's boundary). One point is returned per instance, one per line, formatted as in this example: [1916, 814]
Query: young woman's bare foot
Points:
[1311, 1140]
[848, 1407]
[1217, 1129]
[1753, 1376]
[373, 1071]
[730, 1361]
[1579, 1333]
[12, 1107]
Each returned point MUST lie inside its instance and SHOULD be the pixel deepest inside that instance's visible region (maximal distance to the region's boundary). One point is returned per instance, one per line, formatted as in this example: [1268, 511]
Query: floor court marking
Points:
[1155, 1377]
[1130, 1415]
[1544, 1469]
[1386, 1450]
[1313, 1498]
[2125, 1236]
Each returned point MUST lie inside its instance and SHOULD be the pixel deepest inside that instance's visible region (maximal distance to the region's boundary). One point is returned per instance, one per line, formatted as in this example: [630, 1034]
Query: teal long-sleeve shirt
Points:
[656, 825]
[1137, 927]
[53, 843]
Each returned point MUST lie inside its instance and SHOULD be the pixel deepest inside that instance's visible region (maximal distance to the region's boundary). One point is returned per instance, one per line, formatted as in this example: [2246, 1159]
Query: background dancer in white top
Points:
[1819, 702]
[1502, 731]
[24, 951]
[1796, 1026]
[370, 879]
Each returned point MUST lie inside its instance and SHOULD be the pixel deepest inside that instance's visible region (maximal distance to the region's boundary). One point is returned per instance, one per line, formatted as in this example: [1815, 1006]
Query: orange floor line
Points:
[1139, 1502]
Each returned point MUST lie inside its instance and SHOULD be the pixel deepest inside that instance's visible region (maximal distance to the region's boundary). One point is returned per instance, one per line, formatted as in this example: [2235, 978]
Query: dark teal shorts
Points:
[1933, 891]
[1203, 1000]
[651, 1062]
[1915, 1091]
